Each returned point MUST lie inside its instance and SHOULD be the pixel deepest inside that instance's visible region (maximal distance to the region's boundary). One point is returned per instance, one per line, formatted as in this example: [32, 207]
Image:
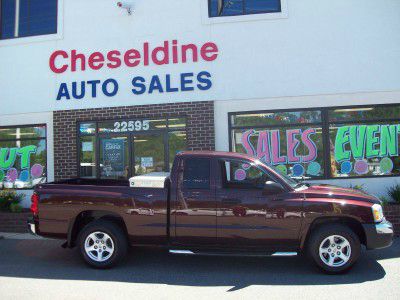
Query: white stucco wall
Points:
[313, 48]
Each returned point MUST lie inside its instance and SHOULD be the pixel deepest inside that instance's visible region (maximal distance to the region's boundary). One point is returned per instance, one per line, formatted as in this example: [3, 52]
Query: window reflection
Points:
[330, 142]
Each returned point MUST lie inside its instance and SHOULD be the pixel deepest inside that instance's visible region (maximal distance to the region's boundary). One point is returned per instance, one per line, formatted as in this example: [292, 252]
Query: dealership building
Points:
[93, 89]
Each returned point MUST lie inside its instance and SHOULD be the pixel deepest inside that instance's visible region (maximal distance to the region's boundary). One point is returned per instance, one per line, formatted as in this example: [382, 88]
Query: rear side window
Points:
[196, 174]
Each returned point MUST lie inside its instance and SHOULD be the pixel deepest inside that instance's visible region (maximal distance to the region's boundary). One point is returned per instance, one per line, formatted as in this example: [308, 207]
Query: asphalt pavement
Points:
[41, 269]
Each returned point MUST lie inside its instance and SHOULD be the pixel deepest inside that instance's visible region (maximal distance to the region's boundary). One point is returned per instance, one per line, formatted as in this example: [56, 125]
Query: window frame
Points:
[17, 12]
[244, 10]
[325, 124]
[164, 131]
[38, 38]
[29, 139]
[262, 16]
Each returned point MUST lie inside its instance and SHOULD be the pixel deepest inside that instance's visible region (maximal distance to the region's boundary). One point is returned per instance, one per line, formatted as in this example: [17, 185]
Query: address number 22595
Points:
[126, 126]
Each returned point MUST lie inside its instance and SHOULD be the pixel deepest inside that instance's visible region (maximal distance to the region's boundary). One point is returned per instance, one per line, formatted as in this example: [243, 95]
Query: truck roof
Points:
[217, 154]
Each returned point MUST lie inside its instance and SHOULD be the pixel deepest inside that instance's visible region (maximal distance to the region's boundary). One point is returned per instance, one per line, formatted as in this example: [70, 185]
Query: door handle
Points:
[267, 199]
[277, 198]
[227, 200]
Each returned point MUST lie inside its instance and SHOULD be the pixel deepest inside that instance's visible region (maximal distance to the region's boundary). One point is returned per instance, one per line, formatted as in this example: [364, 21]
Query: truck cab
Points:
[232, 201]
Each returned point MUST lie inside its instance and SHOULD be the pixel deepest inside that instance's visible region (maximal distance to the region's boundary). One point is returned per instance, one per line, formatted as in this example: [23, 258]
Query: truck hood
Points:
[334, 192]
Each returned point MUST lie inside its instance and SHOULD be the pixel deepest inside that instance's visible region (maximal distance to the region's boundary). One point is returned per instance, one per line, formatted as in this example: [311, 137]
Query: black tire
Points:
[324, 232]
[117, 236]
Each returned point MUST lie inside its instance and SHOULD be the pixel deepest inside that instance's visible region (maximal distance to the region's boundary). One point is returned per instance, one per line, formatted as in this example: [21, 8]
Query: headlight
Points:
[377, 212]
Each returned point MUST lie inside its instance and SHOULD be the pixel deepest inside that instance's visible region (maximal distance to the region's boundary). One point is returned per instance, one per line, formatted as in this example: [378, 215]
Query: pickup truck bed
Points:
[64, 201]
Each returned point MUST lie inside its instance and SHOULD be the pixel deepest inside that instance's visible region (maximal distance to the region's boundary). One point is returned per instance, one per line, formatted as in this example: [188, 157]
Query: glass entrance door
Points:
[120, 149]
[149, 152]
[114, 157]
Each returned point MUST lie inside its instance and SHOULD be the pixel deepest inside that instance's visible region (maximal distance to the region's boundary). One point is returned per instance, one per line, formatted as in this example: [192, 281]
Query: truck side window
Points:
[196, 174]
[238, 174]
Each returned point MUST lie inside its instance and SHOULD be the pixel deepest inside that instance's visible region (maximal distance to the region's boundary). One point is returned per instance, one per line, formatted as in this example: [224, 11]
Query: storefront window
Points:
[23, 156]
[291, 141]
[297, 152]
[119, 149]
[352, 141]
[277, 118]
[364, 113]
[15, 133]
[364, 141]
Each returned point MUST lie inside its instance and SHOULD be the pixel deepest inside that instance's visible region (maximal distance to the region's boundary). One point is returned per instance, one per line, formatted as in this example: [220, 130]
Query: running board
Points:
[189, 252]
[186, 252]
[284, 254]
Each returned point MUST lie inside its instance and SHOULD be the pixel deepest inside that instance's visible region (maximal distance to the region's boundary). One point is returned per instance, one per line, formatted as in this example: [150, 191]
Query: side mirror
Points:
[273, 188]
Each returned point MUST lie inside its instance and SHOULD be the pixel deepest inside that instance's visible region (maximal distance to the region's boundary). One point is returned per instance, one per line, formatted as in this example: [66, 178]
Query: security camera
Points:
[126, 5]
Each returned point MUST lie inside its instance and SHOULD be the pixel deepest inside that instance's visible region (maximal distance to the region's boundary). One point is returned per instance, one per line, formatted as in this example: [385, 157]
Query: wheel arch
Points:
[88, 216]
[352, 223]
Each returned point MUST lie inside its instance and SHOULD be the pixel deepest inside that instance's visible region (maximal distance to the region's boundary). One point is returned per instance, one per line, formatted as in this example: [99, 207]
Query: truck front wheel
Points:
[334, 248]
[102, 244]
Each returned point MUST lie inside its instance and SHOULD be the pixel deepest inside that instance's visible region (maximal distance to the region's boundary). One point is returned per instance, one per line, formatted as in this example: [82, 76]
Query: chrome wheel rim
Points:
[335, 251]
[99, 246]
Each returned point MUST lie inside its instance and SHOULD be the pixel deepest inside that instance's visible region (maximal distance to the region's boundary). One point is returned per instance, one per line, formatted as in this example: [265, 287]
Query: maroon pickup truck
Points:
[212, 202]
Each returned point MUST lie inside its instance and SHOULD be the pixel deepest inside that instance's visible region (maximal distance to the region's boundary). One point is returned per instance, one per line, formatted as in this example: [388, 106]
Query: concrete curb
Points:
[19, 236]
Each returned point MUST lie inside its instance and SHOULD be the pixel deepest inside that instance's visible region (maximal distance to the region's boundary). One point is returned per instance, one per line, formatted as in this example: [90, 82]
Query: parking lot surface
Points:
[41, 269]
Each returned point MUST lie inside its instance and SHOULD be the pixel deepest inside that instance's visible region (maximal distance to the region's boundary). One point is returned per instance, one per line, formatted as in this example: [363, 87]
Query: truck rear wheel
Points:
[102, 244]
[334, 248]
